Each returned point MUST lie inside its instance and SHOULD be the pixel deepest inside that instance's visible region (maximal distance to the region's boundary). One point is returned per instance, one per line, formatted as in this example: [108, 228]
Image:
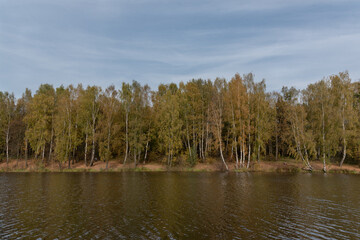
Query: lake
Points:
[179, 205]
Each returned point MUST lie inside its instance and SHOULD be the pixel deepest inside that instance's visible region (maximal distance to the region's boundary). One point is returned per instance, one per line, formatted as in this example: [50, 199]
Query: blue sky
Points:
[105, 42]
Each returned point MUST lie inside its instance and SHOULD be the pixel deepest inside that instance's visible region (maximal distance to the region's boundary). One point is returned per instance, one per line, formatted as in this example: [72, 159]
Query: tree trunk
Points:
[298, 145]
[108, 147]
[86, 146]
[202, 141]
[146, 150]
[236, 155]
[344, 143]
[207, 136]
[93, 116]
[243, 154]
[235, 141]
[69, 136]
[227, 142]
[305, 148]
[73, 155]
[323, 136]
[307, 159]
[7, 143]
[171, 155]
[249, 153]
[168, 161]
[194, 139]
[188, 139]
[51, 139]
[220, 143]
[75, 140]
[93, 145]
[221, 154]
[17, 155]
[276, 144]
[126, 137]
[26, 153]
[344, 155]
[240, 152]
[43, 154]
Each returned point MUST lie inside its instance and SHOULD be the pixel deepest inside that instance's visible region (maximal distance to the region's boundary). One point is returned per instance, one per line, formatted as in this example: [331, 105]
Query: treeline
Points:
[191, 122]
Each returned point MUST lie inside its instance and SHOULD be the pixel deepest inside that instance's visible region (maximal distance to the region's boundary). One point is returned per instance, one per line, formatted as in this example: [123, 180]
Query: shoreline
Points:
[281, 166]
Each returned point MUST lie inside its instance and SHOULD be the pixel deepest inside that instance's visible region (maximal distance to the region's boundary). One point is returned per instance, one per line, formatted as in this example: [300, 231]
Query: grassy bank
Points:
[283, 166]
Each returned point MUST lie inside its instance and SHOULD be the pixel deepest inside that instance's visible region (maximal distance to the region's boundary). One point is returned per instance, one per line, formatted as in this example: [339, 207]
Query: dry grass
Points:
[287, 165]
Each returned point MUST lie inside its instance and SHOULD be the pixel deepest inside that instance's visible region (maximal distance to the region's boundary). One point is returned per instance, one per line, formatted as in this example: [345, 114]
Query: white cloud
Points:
[103, 47]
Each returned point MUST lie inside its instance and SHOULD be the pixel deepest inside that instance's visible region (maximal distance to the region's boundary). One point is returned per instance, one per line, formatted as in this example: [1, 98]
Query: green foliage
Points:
[197, 121]
[191, 158]
[65, 123]
[168, 122]
[39, 117]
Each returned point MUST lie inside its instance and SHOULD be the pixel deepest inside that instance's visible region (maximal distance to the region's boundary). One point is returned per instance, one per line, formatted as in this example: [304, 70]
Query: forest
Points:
[192, 122]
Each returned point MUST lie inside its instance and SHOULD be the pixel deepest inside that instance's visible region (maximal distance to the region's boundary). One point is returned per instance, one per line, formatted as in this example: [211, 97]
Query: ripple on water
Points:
[178, 206]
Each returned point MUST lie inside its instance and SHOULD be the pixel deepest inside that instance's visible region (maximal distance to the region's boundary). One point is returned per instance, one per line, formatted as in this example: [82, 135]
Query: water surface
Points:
[165, 205]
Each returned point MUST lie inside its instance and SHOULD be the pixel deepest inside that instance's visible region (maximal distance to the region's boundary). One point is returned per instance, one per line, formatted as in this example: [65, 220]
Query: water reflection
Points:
[179, 205]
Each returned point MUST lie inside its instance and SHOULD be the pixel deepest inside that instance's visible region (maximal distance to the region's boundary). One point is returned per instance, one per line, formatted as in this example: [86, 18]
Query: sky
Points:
[104, 42]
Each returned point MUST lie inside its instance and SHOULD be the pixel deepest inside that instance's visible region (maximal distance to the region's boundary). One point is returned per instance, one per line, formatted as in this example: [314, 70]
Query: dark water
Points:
[179, 206]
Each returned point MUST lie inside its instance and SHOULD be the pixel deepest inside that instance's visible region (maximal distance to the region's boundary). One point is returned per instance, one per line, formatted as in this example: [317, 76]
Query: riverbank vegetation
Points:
[236, 122]
[283, 165]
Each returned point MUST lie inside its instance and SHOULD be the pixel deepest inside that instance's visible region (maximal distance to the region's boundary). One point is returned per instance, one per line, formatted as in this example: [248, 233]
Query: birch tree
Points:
[168, 121]
[320, 114]
[89, 114]
[39, 119]
[7, 106]
[65, 124]
[126, 98]
[109, 104]
[217, 108]
[301, 145]
[237, 111]
[342, 92]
